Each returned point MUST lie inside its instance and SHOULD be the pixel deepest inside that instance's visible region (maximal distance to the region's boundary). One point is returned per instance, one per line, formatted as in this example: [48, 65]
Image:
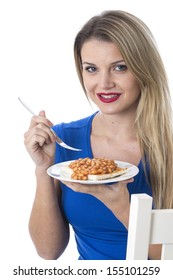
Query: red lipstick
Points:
[108, 97]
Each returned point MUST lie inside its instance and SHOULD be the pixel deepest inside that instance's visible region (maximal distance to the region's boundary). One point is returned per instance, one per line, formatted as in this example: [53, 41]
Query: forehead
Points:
[96, 49]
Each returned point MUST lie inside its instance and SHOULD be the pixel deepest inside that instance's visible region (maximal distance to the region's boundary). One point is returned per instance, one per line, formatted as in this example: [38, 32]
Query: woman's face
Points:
[107, 79]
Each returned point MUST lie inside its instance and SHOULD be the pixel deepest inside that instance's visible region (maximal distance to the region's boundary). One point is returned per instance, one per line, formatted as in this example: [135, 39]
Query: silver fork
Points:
[58, 140]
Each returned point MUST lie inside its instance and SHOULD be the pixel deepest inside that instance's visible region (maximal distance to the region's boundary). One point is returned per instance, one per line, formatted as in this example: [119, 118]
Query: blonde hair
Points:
[154, 113]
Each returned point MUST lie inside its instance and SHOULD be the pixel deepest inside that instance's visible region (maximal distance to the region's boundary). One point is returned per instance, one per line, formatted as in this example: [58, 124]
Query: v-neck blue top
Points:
[99, 234]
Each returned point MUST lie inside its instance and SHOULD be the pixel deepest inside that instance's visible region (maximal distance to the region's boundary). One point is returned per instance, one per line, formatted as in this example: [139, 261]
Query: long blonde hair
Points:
[154, 113]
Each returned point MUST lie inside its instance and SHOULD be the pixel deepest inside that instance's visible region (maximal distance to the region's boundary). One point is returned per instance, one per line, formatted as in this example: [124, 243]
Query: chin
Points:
[109, 111]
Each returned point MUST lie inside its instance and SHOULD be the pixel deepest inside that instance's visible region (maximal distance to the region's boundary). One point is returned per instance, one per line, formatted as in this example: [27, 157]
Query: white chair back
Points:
[148, 226]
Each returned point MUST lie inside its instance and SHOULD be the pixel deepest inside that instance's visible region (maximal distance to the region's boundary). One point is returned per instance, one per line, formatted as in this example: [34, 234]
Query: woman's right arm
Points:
[48, 228]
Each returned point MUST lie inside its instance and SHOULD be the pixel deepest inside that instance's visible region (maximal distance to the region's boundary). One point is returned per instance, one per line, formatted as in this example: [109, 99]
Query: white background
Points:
[36, 63]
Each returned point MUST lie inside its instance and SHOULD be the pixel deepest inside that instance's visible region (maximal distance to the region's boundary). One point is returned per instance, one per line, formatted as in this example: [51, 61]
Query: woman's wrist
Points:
[41, 171]
[43, 180]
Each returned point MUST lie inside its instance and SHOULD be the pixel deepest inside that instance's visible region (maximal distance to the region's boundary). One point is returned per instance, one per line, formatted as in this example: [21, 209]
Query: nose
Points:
[106, 80]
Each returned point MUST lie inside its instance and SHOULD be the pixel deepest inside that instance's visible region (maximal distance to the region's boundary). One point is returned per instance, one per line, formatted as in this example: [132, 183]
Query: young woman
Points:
[121, 71]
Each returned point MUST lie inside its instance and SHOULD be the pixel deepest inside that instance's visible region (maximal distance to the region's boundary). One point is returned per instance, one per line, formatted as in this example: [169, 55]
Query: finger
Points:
[41, 118]
[130, 180]
[77, 187]
[45, 131]
[121, 184]
[70, 185]
[38, 140]
[42, 113]
[41, 134]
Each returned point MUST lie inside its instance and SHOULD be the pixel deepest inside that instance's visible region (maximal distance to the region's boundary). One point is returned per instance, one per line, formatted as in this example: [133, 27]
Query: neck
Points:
[115, 124]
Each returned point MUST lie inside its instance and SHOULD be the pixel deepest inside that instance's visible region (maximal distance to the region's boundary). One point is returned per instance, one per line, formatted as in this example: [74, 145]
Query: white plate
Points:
[132, 170]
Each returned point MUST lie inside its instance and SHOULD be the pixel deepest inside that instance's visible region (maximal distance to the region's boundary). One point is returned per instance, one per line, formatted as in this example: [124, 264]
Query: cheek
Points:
[137, 90]
[133, 87]
[88, 84]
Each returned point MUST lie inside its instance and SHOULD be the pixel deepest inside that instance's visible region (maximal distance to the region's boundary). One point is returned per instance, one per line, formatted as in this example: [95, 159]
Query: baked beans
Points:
[85, 166]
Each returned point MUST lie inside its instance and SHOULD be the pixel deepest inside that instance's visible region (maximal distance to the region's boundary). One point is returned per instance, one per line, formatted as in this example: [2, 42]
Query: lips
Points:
[108, 97]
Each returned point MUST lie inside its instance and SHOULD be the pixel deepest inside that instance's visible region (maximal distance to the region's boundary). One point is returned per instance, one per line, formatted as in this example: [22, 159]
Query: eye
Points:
[120, 67]
[91, 69]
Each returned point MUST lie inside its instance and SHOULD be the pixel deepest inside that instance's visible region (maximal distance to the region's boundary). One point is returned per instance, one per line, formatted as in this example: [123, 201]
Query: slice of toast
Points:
[119, 171]
[67, 172]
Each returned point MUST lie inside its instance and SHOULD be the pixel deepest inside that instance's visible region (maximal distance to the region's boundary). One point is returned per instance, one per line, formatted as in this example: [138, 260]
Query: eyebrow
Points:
[115, 62]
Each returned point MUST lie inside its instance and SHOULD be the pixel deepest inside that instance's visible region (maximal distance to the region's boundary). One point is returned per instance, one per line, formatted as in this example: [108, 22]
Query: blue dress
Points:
[99, 234]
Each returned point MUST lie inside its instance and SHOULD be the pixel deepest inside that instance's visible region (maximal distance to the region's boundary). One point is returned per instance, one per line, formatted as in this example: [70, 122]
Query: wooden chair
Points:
[148, 226]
